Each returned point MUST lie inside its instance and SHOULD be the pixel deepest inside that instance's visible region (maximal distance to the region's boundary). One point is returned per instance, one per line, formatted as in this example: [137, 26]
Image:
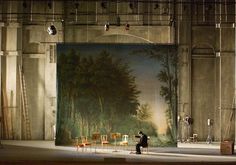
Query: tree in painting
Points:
[168, 77]
[95, 94]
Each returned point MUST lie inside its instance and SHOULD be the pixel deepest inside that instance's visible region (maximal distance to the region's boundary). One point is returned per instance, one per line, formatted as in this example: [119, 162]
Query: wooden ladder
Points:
[25, 110]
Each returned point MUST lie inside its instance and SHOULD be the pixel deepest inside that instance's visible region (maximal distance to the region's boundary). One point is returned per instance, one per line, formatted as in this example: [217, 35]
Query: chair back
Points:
[115, 135]
[96, 136]
[103, 137]
[84, 139]
[125, 138]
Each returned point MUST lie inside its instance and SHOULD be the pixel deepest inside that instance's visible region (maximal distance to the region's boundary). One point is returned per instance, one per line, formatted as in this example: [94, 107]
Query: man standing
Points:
[142, 142]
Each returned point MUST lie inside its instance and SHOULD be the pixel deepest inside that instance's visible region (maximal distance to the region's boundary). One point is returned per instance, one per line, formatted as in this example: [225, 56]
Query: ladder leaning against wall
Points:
[24, 103]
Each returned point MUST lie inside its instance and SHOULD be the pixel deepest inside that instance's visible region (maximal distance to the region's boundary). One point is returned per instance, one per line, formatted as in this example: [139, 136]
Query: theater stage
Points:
[45, 152]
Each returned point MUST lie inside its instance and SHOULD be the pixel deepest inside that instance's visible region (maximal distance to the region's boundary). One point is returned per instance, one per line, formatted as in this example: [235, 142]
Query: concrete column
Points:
[1, 53]
[12, 51]
[227, 77]
[50, 92]
[183, 31]
[227, 96]
[234, 106]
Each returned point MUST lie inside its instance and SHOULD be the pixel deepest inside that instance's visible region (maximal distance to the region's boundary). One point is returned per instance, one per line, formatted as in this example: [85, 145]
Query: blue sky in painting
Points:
[143, 68]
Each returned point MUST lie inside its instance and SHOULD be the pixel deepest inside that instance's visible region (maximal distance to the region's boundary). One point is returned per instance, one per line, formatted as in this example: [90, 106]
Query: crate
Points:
[227, 148]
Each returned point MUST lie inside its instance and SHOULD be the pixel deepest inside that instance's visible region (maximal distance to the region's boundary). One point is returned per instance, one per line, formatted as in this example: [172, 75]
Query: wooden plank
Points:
[4, 115]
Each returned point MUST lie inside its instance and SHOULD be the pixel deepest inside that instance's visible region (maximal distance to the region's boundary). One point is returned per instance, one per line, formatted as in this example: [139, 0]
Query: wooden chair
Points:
[78, 145]
[114, 137]
[124, 141]
[84, 141]
[95, 139]
[104, 140]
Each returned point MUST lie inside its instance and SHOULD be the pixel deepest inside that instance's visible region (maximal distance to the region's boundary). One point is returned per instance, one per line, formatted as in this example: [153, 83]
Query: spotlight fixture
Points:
[172, 22]
[209, 122]
[131, 6]
[178, 118]
[165, 10]
[127, 26]
[104, 5]
[76, 5]
[106, 27]
[52, 30]
[217, 54]
[218, 25]
[118, 21]
[188, 120]
[208, 7]
[49, 4]
[156, 6]
[24, 4]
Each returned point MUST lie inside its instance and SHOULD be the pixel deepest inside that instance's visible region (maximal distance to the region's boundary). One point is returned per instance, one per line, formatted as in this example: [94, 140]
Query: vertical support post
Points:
[219, 56]
[1, 53]
[12, 51]
[235, 70]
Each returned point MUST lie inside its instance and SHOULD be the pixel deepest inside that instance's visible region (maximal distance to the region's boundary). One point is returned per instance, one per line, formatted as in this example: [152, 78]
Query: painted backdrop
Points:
[121, 88]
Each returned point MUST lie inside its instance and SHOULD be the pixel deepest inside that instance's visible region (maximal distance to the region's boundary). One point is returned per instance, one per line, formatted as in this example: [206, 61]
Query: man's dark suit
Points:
[142, 142]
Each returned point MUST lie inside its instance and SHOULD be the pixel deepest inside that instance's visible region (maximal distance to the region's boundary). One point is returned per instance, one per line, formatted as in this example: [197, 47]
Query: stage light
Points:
[76, 5]
[50, 5]
[131, 6]
[127, 26]
[104, 5]
[209, 122]
[218, 25]
[118, 21]
[178, 118]
[208, 7]
[106, 27]
[188, 120]
[24, 4]
[156, 6]
[217, 54]
[52, 30]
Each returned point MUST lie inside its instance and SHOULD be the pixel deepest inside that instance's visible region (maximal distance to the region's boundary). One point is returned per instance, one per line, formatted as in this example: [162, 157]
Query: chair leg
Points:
[80, 146]
[144, 149]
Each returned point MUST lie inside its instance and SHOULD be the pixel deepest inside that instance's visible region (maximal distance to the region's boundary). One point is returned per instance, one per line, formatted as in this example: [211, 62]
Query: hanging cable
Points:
[52, 29]
[226, 11]
[76, 11]
[87, 23]
[203, 11]
[148, 18]
[53, 12]
[31, 10]
[10, 11]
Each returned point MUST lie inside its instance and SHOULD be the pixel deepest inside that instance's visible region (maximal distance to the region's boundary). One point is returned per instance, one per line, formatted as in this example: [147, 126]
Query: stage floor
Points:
[45, 152]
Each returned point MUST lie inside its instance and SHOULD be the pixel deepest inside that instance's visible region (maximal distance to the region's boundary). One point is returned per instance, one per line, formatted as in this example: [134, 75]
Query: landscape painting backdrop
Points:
[121, 88]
